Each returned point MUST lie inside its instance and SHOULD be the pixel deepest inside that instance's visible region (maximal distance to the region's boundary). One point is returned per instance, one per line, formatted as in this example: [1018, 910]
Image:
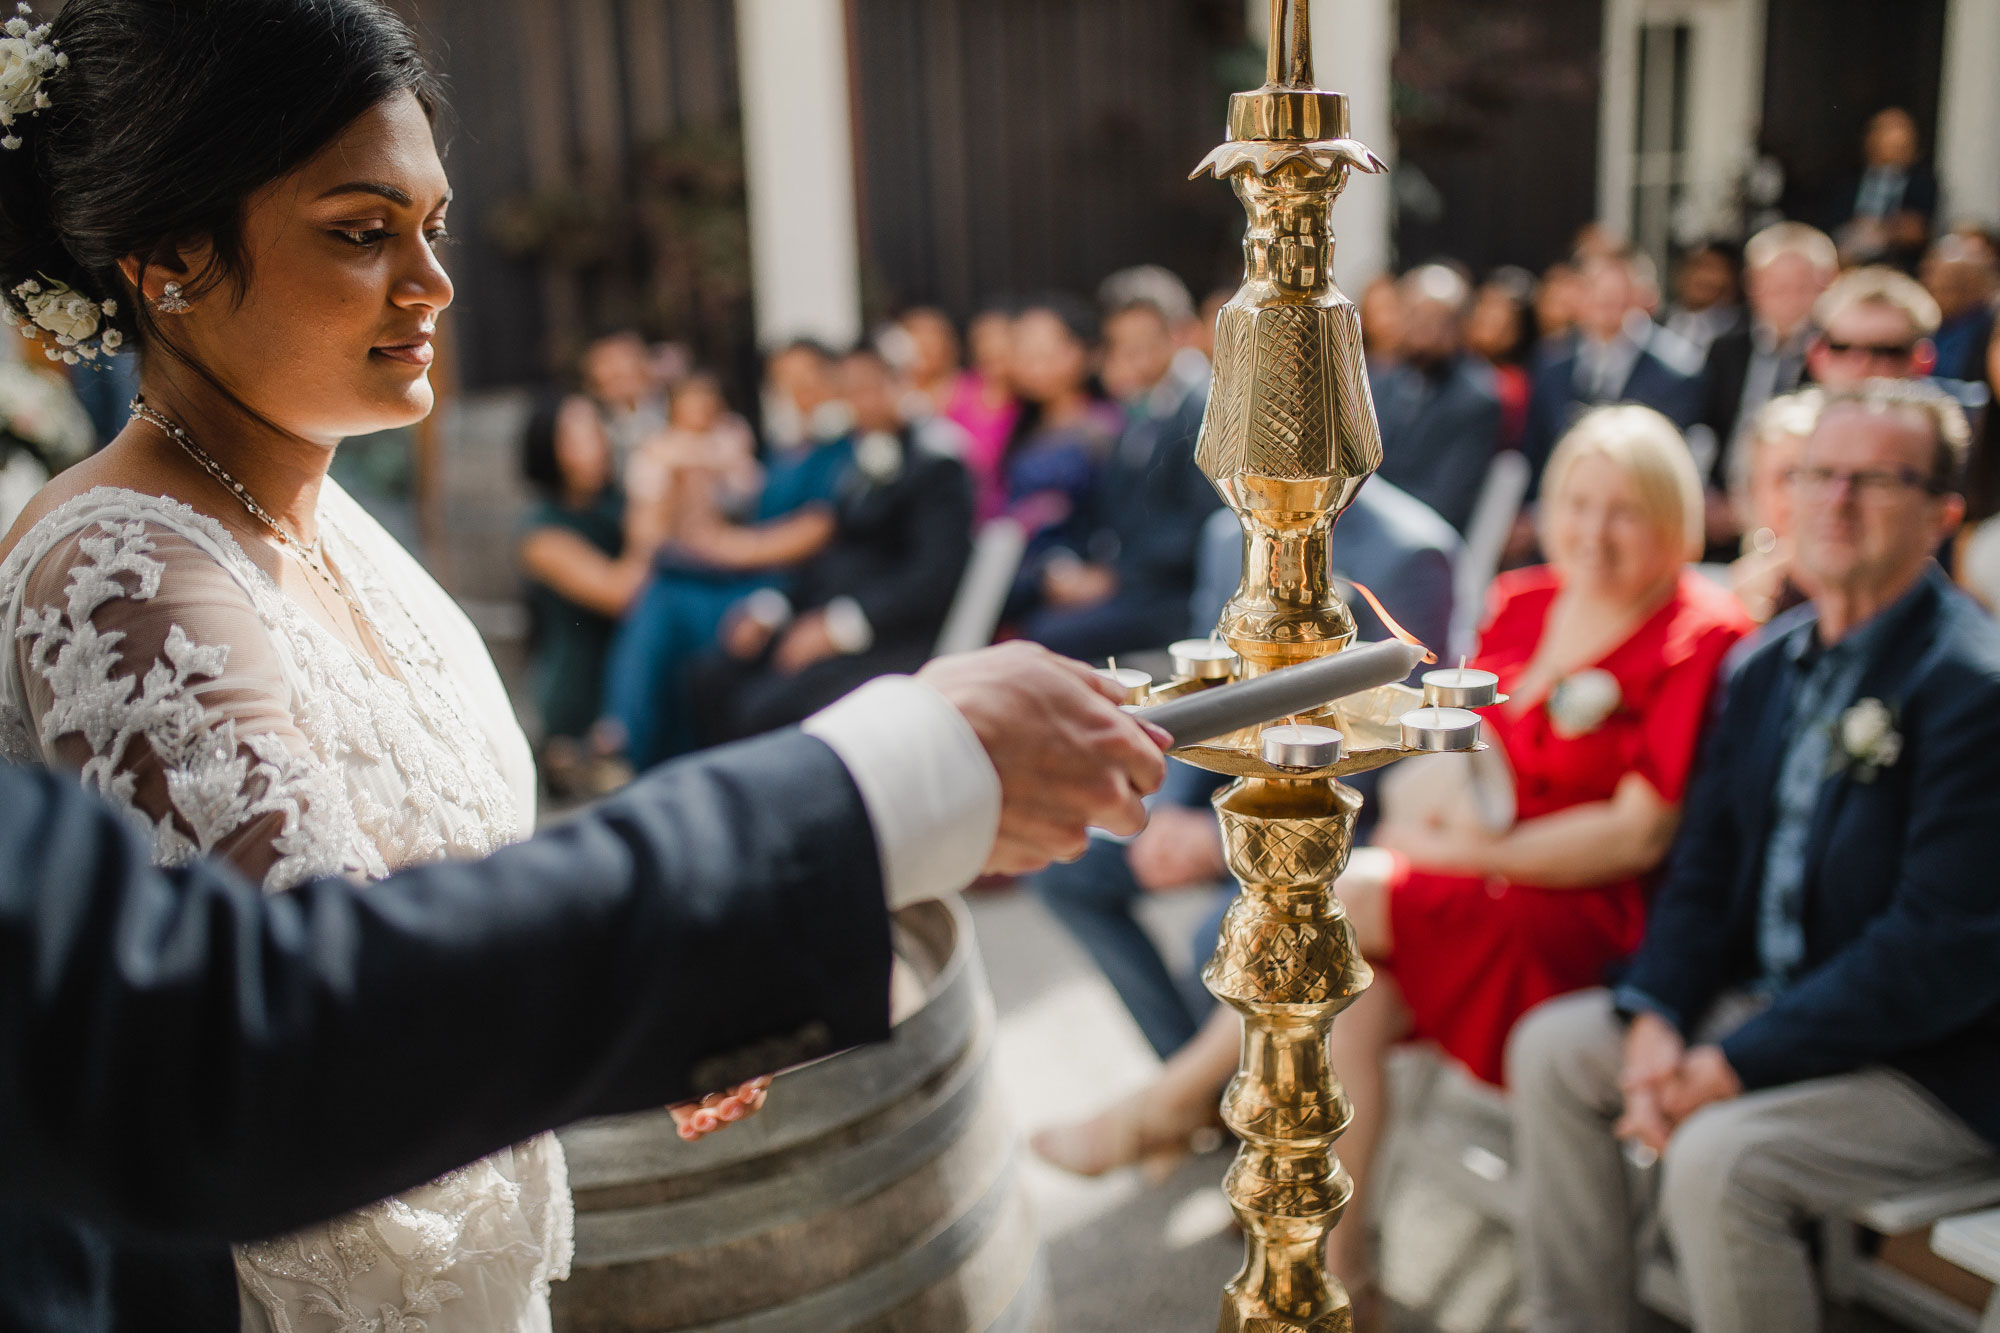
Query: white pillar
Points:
[1353, 42]
[798, 150]
[1968, 146]
[1617, 114]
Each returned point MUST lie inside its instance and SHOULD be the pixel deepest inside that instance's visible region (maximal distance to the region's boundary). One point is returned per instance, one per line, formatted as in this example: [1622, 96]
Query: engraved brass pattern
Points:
[1289, 437]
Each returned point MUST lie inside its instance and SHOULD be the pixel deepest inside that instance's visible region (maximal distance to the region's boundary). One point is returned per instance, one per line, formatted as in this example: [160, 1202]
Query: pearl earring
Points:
[171, 301]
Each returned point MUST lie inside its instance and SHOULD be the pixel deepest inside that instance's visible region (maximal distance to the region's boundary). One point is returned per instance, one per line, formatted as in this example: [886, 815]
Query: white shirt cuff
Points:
[932, 795]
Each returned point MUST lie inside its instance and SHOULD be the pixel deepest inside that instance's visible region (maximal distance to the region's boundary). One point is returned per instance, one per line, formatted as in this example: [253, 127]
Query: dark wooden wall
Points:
[1011, 146]
[558, 108]
[1496, 107]
[1828, 66]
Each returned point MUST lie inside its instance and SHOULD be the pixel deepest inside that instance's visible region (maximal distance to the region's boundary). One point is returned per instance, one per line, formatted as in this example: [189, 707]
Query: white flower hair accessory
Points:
[1581, 701]
[1869, 741]
[70, 325]
[27, 59]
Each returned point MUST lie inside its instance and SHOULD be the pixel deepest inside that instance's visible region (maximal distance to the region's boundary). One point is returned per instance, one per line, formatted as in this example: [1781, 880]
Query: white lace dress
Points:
[147, 652]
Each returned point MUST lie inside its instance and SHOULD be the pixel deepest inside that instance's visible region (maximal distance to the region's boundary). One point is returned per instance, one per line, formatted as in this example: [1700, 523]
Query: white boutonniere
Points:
[1581, 701]
[1868, 739]
[879, 456]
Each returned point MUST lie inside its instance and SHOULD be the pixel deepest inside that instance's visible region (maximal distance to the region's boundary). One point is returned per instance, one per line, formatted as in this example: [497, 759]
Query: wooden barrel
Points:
[878, 1190]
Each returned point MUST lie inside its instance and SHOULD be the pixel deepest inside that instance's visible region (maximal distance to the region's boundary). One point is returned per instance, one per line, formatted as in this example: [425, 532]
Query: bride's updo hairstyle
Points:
[165, 118]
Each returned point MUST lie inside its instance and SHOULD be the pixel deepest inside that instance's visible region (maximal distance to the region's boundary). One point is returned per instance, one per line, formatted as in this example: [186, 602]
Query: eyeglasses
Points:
[1874, 351]
[1871, 485]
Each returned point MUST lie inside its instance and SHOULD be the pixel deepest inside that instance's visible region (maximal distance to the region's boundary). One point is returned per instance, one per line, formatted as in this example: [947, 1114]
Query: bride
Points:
[197, 620]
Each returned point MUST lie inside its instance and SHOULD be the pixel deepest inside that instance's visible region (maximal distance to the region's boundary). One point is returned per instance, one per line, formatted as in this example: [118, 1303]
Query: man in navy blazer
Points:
[1617, 355]
[172, 1043]
[1814, 1017]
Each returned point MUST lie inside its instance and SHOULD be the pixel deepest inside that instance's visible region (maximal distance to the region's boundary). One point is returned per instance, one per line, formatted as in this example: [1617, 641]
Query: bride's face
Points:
[332, 334]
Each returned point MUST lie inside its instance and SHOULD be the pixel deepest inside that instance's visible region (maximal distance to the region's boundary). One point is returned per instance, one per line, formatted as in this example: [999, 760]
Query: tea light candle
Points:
[1301, 746]
[1135, 683]
[1440, 729]
[1460, 687]
[1203, 659]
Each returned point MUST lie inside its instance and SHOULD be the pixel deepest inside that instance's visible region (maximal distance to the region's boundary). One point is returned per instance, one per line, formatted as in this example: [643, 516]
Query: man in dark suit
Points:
[1786, 267]
[1883, 214]
[1616, 355]
[1127, 590]
[1439, 408]
[168, 1040]
[872, 602]
[1814, 1017]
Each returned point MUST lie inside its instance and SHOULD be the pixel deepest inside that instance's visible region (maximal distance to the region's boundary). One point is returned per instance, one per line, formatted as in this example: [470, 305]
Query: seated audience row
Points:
[1519, 875]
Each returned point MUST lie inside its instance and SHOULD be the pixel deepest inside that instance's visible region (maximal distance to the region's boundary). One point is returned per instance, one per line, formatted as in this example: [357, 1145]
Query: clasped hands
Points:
[1665, 1081]
[1069, 759]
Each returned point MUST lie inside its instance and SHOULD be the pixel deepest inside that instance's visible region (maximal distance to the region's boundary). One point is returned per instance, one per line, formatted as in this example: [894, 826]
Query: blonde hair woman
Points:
[1471, 917]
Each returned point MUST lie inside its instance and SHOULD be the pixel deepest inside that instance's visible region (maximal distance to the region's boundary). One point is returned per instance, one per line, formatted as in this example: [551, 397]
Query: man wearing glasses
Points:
[1814, 1018]
[1875, 323]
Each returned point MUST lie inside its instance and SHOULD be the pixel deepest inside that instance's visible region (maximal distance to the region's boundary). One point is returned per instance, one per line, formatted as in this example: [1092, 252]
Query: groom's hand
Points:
[1069, 758]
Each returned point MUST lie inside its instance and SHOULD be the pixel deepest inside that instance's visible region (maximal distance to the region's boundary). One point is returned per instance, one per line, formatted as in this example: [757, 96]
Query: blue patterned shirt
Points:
[1824, 681]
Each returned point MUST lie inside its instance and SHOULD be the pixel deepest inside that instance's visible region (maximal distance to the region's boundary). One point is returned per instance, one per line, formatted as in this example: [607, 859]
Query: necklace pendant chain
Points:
[312, 557]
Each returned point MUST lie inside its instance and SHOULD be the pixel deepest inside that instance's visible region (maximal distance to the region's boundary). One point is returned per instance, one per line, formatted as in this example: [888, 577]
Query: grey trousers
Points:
[1738, 1187]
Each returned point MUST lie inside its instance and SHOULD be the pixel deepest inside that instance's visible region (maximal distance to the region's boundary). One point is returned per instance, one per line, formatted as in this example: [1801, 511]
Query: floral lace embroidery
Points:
[391, 776]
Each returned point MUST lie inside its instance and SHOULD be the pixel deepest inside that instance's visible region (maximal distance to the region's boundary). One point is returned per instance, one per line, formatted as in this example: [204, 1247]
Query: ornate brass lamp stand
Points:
[1289, 437]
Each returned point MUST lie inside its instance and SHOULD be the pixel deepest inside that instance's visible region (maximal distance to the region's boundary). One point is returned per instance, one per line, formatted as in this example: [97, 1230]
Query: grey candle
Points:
[1280, 694]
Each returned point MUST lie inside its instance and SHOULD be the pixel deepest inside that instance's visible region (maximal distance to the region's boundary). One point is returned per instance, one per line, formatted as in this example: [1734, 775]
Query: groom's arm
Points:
[181, 1053]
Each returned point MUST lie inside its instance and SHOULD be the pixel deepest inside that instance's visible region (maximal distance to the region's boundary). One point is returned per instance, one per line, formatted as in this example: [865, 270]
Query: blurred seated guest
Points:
[1439, 406]
[984, 405]
[1883, 214]
[585, 560]
[1127, 590]
[712, 563]
[1977, 563]
[1066, 433]
[923, 347]
[1526, 877]
[801, 409]
[1153, 285]
[618, 376]
[1616, 355]
[1960, 274]
[1381, 310]
[1813, 1020]
[1499, 330]
[1874, 323]
[872, 602]
[1708, 296]
[1763, 576]
[1404, 553]
[1556, 300]
[1787, 266]
[703, 465]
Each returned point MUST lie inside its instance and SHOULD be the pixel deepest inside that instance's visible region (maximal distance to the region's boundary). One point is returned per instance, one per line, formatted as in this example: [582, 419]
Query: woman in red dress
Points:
[1520, 874]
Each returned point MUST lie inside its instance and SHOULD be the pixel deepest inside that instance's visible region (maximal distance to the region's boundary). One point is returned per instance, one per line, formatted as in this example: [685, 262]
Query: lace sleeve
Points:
[146, 663]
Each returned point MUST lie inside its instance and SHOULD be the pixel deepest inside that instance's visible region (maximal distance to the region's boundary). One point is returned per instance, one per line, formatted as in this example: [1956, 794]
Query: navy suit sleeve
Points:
[176, 1050]
[1925, 967]
[1678, 971]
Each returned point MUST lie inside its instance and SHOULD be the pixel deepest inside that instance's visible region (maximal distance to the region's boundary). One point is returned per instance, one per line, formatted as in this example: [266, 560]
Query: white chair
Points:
[1973, 1243]
[1486, 533]
[982, 592]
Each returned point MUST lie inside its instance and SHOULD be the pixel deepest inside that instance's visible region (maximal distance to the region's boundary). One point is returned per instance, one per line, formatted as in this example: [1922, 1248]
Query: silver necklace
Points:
[312, 558]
